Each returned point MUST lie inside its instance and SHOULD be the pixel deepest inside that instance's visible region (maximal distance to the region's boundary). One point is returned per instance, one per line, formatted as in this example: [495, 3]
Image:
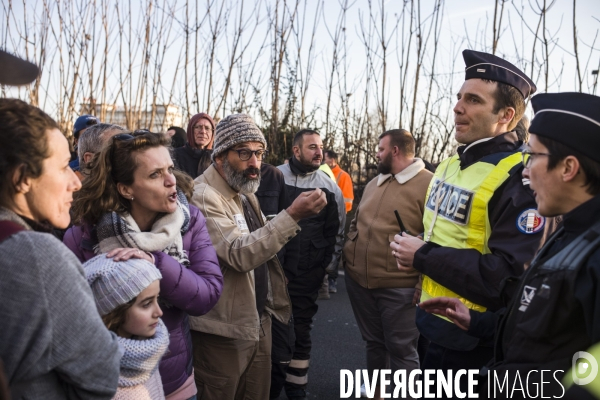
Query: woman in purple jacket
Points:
[134, 204]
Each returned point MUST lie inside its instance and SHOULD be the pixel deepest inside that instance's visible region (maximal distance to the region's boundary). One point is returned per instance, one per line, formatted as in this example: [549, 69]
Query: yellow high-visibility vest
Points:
[461, 198]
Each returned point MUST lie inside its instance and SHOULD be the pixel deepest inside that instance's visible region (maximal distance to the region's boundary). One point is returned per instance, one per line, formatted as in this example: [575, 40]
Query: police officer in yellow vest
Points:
[481, 222]
[553, 320]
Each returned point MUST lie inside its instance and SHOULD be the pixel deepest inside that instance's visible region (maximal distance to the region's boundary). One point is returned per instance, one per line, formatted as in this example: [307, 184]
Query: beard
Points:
[308, 163]
[239, 181]
[385, 166]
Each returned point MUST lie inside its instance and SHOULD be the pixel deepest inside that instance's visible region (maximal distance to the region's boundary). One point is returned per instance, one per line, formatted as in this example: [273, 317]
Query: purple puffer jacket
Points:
[193, 290]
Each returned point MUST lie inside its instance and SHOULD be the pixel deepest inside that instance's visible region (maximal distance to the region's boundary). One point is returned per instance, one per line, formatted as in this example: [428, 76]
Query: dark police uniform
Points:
[555, 310]
[476, 228]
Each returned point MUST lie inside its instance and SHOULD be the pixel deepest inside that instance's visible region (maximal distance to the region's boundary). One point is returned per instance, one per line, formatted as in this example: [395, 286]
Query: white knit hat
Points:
[235, 129]
[115, 283]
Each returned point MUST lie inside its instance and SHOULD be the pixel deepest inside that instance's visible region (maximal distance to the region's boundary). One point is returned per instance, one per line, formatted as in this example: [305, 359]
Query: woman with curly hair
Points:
[135, 204]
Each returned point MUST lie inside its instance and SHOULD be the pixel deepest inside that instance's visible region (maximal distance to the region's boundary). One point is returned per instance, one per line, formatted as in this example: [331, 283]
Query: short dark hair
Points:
[508, 96]
[331, 154]
[298, 137]
[401, 138]
[590, 168]
[23, 144]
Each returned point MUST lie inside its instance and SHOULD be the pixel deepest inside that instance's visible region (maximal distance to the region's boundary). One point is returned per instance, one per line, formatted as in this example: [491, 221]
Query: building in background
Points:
[164, 116]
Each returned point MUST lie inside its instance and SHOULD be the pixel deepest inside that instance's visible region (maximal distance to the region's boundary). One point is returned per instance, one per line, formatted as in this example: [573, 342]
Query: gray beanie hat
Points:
[115, 283]
[235, 129]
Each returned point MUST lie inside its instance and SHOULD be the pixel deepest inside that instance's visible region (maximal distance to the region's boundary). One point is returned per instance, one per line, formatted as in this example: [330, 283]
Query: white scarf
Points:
[116, 231]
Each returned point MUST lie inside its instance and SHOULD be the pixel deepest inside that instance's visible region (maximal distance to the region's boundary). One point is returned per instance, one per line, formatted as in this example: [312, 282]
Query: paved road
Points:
[337, 344]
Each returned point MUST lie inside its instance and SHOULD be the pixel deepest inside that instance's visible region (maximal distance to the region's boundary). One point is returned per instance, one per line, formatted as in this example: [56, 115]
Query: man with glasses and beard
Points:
[319, 246]
[232, 342]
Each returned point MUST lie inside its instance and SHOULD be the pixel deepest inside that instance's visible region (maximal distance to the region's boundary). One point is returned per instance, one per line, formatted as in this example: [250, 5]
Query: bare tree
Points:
[288, 63]
[281, 21]
[497, 25]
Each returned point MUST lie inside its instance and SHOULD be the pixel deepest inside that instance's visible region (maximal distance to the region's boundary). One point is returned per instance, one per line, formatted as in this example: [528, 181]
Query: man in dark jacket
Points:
[320, 243]
[554, 315]
[480, 219]
[273, 198]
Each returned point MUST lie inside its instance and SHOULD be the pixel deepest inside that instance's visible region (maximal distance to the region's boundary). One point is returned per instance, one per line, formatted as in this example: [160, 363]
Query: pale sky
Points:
[465, 24]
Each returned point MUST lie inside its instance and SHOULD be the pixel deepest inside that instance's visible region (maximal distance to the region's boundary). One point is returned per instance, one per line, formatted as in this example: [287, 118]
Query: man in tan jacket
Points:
[381, 295]
[232, 342]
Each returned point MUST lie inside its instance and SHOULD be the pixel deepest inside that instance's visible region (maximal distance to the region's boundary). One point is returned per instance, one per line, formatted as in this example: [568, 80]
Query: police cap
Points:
[488, 66]
[15, 71]
[572, 119]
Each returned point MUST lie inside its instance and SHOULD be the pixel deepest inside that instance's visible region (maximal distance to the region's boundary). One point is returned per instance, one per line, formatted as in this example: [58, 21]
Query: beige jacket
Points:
[367, 253]
[240, 252]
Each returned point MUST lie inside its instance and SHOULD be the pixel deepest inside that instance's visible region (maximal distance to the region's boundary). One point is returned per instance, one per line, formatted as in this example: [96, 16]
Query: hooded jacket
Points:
[189, 158]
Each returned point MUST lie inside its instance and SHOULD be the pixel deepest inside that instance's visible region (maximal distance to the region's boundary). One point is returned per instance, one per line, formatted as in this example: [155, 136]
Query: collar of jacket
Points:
[196, 153]
[505, 142]
[216, 181]
[298, 168]
[29, 224]
[9, 215]
[405, 175]
[337, 170]
[583, 216]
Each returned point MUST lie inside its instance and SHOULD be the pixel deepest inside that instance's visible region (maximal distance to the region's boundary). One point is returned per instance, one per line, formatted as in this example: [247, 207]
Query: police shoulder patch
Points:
[530, 222]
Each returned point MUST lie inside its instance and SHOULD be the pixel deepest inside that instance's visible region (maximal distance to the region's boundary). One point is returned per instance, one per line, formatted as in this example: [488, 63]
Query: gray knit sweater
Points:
[52, 341]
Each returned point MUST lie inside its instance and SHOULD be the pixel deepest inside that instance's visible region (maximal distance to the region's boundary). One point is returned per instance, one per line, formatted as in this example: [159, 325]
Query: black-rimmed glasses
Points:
[527, 157]
[246, 154]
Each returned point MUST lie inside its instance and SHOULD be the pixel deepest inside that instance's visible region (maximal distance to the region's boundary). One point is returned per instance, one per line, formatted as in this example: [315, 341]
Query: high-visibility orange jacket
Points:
[344, 181]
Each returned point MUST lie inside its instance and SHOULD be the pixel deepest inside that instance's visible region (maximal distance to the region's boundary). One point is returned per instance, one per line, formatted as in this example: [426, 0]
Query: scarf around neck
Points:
[300, 169]
[115, 230]
[141, 356]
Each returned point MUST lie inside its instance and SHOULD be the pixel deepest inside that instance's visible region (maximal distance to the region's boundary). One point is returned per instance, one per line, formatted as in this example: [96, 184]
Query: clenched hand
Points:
[307, 204]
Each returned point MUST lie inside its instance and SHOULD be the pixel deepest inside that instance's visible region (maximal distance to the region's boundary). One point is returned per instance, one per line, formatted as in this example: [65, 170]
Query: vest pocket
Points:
[312, 252]
[540, 305]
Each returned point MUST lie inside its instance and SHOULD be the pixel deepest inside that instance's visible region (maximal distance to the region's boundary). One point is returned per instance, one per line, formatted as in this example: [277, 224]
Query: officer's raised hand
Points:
[449, 307]
[307, 204]
[404, 248]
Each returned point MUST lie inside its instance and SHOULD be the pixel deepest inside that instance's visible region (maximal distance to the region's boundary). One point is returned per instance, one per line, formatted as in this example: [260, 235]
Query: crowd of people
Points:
[179, 265]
